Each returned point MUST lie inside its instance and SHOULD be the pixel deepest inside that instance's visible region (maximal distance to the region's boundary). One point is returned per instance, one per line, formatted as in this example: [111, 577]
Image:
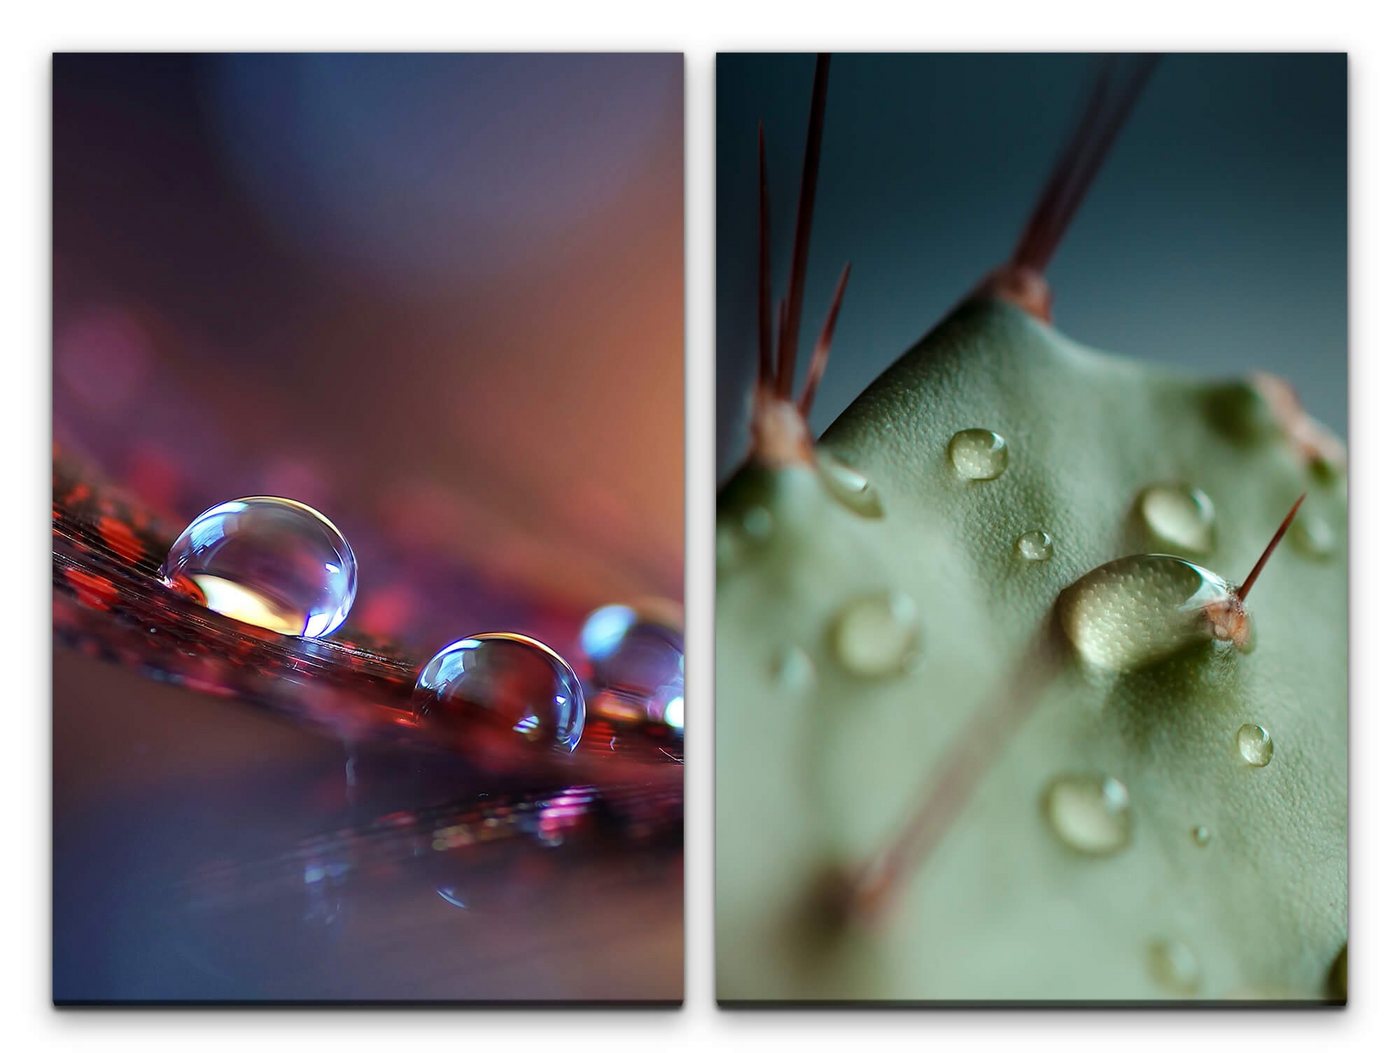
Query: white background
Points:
[700, 28]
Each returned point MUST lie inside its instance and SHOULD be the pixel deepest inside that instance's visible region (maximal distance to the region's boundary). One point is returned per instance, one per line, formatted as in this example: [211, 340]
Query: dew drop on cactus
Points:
[1137, 610]
[1174, 967]
[1179, 515]
[1255, 744]
[1035, 546]
[978, 454]
[1313, 537]
[793, 670]
[758, 523]
[876, 635]
[848, 486]
[505, 681]
[1201, 835]
[1089, 813]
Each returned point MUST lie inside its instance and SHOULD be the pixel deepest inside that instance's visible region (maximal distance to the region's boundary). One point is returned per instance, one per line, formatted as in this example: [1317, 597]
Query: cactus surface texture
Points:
[859, 630]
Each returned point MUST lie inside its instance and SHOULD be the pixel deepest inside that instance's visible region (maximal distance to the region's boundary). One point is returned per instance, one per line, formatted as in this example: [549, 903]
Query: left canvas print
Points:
[368, 536]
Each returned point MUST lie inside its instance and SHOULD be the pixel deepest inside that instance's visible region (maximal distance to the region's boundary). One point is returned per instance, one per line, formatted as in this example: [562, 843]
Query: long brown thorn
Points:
[792, 314]
[1243, 590]
[822, 352]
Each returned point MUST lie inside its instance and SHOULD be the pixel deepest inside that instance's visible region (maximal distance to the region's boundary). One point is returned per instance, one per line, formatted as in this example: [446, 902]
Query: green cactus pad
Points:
[817, 771]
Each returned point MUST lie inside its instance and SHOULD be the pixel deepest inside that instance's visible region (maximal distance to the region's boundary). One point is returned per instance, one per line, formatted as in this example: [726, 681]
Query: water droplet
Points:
[876, 635]
[1255, 744]
[757, 523]
[1173, 965]
[1137, 610]
[1035, 546]
[505, 680]
[637, 652]
[793, 670]
[978, 453]
[268, 561]
[728, 549]
[848, 486]
[1179, 515]
[1201, 835]
[1312, 536]
[1089, 813]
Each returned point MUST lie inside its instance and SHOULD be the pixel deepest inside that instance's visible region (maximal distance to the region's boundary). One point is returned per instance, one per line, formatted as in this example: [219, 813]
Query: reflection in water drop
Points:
[268, 561]
[876, 636]
[1179, 515]
[1173, 965]
[1035, 546]
[1137, 610]
[1089, 813]
[977, 453]
[504, 680]
[1255, 744]
[848, 486]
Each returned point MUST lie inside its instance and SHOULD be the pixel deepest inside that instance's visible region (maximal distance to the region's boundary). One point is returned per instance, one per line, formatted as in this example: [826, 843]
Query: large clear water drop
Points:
[1180, 516]
[1255, 744]
[977, 453]
[505, 681]
[1089, 813]
[268, 561]
[877, 635]
[1137, 610]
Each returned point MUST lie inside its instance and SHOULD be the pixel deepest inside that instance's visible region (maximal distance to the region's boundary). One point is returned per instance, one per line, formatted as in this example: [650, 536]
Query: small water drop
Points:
[977, 453]
[1035, 546]
[637, 652]
[1201, 835]
[1255, 744]
[1174, 967]
[1179, 515]
[1312, 536]
[848, 486]
[876, 635]
[268, 561]
[793, 670]
[1133, 611]
[505, 680]
[757, 523]
[1089, 813]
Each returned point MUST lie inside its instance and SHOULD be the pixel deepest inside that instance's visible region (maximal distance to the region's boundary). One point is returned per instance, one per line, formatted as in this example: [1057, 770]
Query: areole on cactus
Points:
[996, 678]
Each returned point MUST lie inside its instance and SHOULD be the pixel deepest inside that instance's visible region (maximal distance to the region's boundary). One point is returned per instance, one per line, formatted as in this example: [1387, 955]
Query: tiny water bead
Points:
[637, 651]
[1201, 835]
[1089, 813]
[1312, 536]
[1035, 546]
[1255, 744]
[876, 635]
[504, 680]
[977, 453]
[1179, 515]
[793, 670]
[848, 486]
[1173, 966]
[268, 561]
[1133, 611]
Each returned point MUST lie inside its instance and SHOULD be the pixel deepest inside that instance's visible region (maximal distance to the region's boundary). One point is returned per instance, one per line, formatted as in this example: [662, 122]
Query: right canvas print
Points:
[1031, 545]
